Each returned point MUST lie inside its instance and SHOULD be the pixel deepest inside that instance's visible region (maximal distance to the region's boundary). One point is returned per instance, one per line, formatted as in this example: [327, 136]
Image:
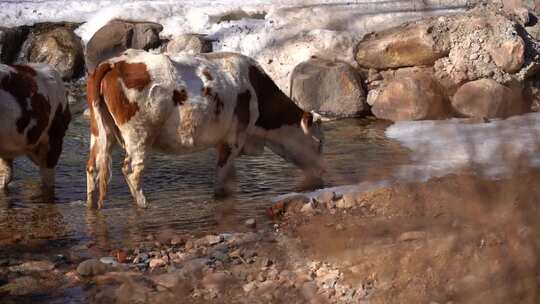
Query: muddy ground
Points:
[457, 239]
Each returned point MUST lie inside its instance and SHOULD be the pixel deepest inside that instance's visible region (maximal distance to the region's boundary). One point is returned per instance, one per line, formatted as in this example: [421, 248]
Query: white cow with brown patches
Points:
[190, 103]
[34, 116]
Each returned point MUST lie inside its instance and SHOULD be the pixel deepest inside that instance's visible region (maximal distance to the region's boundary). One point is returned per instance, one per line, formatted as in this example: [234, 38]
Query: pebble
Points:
[326, 197]
[121, 256]
[347, 201]
[220, 256]
[250, 223]
[412, 236]
[308, 208]
[157, 262]
[212, 239]
[249, 287]
[340, 227]
[138, 260]
[91, 267]
[32, 266]
[177, 240]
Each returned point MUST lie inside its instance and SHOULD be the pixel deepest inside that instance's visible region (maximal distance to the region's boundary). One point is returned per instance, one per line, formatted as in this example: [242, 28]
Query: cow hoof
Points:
[221, 193]
[310, 183]
[142, 203]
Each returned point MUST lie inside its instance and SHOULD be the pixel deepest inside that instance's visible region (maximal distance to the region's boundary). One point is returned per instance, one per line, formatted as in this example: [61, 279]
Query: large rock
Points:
[189, 43]
[11, 40]
[509, 55]
[403, 46]
[417, 96]
[119, 35]
[57, 46]
[486, 98]
[328, 87]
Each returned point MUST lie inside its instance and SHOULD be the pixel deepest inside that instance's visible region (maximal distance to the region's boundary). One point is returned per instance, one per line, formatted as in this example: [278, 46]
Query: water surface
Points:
[180, 188]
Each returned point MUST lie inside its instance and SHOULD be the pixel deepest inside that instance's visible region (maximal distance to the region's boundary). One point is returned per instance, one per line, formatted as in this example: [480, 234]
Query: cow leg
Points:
[40, 157]
[133, 168]
[91, 173]
[6, 172]
[225, 171]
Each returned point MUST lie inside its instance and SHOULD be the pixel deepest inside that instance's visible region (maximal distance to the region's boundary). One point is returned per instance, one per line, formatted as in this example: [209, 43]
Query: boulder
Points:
[119, 35]
[416, 96]
[92, 267]
[486, 98]
[189, 43]
[409, 45]
[57, 46]
[509, 55]
[11, 40]
[328, 87]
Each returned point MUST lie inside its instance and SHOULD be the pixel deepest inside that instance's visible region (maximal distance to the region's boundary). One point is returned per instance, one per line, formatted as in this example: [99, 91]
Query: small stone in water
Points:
[107, 260]
[213, 239]
[32, 266]
[91, 267]
[250, 223]
[177, 240]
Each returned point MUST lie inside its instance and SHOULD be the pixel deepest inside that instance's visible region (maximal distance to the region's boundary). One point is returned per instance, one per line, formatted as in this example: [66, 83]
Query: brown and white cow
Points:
[190, 103]
[34, 116]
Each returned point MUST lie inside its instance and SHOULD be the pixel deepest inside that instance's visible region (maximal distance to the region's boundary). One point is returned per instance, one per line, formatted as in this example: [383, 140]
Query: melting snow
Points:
[493, 149]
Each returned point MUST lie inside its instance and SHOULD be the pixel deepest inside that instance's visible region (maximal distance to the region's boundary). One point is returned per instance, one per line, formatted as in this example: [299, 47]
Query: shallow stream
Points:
[180, 188]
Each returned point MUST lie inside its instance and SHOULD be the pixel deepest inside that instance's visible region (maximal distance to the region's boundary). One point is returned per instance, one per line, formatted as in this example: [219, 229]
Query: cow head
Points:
[311, 126]
[302, 145]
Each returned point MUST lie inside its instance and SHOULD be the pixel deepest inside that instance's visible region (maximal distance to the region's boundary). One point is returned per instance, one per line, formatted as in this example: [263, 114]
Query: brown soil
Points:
[457, 239]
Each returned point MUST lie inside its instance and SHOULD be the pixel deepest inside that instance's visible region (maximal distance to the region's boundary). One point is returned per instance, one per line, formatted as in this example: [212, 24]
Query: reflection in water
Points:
[180, 188]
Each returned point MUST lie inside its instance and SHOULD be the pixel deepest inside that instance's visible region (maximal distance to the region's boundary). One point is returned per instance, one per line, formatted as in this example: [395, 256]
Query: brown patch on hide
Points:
[22, 86]
[34, 106]
[242, 110]
[57, 131]
[133, 75]
[275, 108]
[117, 103]
[93, 124]
[224, 152]
[206, 73]
[93, 93]
[40, 111]
[179, 97]
[20, 68]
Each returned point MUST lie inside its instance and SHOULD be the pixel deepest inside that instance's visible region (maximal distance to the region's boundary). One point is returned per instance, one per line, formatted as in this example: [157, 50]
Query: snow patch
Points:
[494, 149]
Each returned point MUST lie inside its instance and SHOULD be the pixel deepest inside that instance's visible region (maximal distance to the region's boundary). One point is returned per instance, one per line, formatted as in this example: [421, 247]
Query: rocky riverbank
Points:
[455, 239]
[425, 62]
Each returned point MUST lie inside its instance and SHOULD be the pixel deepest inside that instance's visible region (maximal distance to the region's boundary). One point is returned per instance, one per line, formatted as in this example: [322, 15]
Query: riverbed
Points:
[180, 188]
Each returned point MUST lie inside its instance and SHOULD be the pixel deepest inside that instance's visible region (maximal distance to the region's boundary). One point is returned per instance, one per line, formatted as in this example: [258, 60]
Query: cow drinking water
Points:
[34, 116]
[189, 103]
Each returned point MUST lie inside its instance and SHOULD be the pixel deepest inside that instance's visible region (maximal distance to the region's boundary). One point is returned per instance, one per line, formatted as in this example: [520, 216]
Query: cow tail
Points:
[104, 123]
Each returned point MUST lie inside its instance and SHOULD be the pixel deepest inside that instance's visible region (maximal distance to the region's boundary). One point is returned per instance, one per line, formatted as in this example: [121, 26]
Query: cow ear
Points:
[306, 122]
